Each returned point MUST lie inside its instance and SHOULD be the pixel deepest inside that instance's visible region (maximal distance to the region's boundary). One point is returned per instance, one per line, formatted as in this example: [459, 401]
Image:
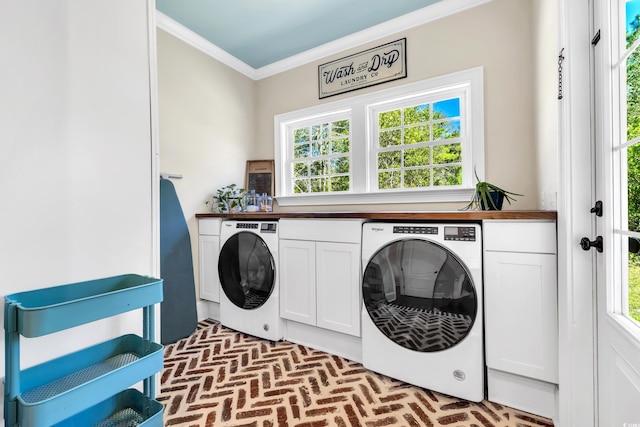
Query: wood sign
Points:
[374, 66]
[260, 177]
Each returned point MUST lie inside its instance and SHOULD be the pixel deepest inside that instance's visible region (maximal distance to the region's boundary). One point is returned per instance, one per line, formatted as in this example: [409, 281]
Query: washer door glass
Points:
[419, 295]
[246, 270]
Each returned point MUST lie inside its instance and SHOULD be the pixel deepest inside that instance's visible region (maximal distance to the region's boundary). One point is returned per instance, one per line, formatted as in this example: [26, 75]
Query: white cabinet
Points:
[298, 280]
[208, 254]
[320, 273]
[521, 313]
[338, 287]
[522, 317]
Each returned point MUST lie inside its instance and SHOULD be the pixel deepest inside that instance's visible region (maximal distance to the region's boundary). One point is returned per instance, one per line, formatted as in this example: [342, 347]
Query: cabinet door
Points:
[338, 287]
[298, 281]
[521, 314]
[209, 251]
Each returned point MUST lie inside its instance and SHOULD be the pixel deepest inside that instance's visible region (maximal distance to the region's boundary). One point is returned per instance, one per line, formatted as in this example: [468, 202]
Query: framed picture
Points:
[260, 177]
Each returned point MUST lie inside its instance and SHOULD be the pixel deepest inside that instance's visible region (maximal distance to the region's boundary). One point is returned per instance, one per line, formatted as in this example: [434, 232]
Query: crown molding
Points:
[181, 32]
[422, 16]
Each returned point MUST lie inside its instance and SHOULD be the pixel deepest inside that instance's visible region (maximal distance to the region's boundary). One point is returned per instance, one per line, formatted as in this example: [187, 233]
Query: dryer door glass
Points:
[246, 270]
[419, 295]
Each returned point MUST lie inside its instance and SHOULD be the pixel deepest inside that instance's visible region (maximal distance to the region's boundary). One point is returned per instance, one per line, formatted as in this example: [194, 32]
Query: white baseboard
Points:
[526, 394]
[207, 310]
[342, 345]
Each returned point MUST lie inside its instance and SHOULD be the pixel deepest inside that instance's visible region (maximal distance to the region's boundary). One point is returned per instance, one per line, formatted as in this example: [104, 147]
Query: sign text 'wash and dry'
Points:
[374, 66]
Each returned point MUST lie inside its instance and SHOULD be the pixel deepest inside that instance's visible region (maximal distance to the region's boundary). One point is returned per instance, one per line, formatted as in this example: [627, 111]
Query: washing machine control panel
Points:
[414, 230]
[264, 227]
[460, 233]
[247, 225]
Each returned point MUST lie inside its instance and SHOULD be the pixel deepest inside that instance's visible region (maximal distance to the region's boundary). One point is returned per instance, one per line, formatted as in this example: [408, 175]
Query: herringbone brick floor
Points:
[219, 377]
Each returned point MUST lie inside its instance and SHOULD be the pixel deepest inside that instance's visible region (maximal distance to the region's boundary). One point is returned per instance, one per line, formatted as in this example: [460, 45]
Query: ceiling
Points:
[260, 33]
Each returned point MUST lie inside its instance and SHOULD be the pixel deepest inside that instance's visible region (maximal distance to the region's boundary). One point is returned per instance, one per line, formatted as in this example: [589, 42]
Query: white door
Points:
[209, 249]
[338, 287]
[617, 167]
[298, 280]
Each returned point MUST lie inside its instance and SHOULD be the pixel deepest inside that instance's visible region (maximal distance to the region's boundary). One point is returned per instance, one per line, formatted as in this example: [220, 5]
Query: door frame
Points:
[576, 276]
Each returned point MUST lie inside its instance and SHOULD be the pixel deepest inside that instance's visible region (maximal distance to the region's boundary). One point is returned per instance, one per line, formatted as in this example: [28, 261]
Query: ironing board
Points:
[178, 309]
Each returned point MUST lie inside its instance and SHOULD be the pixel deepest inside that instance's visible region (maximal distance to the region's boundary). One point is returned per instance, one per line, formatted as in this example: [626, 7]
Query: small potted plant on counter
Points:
[489, 197]
[229, 199]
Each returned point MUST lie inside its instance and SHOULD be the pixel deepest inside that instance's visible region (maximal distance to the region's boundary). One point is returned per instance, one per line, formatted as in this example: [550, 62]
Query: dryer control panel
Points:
[268, 227]
[460, 233]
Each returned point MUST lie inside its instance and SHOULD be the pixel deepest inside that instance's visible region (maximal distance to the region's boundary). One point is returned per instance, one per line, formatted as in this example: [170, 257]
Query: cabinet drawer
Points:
[520, 236]
[209, 227]
[344, 231]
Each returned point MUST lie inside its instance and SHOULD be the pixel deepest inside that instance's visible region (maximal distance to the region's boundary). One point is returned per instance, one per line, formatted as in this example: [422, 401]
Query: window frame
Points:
[363, 189]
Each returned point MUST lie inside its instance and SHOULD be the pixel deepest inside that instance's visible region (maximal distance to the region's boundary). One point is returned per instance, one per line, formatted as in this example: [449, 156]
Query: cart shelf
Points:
[49, 310]
[85, 385]
[129, 408]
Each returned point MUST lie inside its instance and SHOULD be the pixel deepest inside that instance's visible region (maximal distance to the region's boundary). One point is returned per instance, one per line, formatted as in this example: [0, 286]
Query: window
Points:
[418, 144]
[414, 143]
[321, 155]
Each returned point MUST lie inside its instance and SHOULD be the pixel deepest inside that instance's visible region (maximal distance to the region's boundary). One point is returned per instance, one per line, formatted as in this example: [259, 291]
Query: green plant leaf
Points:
[482, 195]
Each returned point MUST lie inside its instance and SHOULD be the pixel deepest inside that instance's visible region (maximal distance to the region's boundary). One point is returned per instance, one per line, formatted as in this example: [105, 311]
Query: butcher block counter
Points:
[394, 215]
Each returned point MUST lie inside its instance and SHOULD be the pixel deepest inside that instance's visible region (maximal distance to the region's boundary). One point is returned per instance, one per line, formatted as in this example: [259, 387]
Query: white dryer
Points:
[247, 264]
[422, 305]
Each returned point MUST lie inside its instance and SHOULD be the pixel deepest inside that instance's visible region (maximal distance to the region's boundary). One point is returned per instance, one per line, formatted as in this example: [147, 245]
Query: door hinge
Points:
[596, 38]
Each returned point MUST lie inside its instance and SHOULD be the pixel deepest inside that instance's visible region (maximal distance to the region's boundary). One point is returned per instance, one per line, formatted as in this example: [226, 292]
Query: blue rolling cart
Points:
[88, 387]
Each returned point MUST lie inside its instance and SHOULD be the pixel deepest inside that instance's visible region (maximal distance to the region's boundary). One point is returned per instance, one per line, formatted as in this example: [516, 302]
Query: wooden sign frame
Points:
[260, 177]
[367, 68]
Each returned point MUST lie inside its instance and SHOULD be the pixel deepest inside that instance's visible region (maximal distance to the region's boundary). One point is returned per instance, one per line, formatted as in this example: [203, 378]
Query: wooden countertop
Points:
[393, 215]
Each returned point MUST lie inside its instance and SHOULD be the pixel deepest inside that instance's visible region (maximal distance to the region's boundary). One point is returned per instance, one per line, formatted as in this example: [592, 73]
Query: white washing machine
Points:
[422, 305]
[247, 264]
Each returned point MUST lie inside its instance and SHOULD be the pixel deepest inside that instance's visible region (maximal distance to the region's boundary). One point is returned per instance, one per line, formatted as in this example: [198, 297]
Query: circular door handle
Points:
[587, 244]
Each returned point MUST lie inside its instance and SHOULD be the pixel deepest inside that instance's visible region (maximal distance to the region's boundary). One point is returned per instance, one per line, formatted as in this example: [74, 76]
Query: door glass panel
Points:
[419, 295]
[630, 159]
[246, 270]
[634, 287]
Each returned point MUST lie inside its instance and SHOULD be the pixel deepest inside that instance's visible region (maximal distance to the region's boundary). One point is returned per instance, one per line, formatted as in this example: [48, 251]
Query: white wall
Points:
[500, 36]
[512, 40]
[206, 117]
[546, 99]
[75, 154]
[213, 119]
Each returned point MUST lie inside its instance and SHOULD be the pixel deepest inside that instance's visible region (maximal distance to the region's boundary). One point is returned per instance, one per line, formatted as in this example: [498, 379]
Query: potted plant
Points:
[229, 199]
[489, 197]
